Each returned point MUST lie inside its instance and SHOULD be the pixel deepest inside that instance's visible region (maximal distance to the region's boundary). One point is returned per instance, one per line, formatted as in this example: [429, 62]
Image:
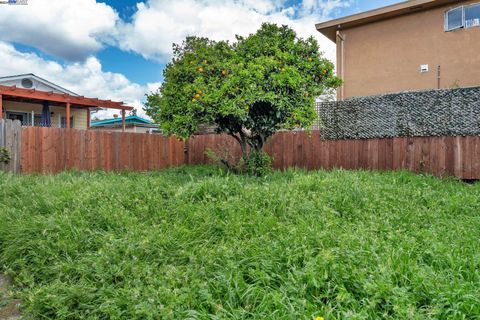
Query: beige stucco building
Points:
[417, 44]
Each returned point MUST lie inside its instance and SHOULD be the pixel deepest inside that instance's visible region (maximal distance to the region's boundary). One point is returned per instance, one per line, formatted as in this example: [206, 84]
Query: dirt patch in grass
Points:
[9, 308]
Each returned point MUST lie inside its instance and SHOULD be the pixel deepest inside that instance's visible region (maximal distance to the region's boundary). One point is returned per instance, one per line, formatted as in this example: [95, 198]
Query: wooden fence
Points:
[10, 140]
[441, 156]
[50, 150]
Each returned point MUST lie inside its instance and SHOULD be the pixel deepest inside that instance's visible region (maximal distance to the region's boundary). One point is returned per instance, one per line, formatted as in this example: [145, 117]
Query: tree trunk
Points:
[243, 144]
[255, 143]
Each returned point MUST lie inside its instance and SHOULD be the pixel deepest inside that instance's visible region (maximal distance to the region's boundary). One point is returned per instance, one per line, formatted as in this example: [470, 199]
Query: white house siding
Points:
[37, 85]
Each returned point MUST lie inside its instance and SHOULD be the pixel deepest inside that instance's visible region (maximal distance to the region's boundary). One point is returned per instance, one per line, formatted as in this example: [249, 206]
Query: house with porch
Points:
[35, 101]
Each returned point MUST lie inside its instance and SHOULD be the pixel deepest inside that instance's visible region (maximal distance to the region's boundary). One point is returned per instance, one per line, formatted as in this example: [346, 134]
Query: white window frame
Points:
[464, 22]
[464, 15]
[447, 29]
[63, 122]
[26, 119]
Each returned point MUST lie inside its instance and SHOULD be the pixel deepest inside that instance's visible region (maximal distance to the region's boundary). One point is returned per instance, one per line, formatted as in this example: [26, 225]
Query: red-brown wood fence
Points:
[49, 150]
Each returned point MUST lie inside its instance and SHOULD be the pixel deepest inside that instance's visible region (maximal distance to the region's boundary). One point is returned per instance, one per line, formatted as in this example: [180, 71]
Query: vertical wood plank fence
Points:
[51, 150]
[440, 156]
[10, 140]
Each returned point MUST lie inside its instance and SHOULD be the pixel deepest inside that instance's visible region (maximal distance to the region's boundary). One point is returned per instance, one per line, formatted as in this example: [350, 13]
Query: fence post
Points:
[185, 152]
[10, 139]
[2, 141]
[17, 146]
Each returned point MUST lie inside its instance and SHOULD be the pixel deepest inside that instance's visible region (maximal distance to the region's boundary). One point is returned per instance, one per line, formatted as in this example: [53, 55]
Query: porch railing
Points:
[36, 124]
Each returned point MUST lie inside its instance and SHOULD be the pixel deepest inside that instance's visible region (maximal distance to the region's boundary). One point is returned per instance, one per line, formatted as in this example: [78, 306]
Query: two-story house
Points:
[412, 45]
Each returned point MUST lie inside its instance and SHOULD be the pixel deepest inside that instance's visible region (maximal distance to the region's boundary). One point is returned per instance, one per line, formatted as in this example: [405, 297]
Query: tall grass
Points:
[197, 243]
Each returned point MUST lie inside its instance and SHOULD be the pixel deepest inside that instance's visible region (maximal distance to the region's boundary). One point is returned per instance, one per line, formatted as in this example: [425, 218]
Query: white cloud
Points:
[323, 8]
[159, 23]
[71, 29]
[75, 29]
[85, 78]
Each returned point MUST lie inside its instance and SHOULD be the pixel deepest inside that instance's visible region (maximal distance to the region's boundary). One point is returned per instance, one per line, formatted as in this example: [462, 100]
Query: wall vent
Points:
[27, 83]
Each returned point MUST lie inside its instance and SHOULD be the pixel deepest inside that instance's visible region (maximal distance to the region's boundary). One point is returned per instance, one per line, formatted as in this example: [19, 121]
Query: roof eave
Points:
[329, 28]
[33, 94]
[39, 79]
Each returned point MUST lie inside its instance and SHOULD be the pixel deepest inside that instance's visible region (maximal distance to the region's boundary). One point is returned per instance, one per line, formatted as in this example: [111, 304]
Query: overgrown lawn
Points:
[197, 243]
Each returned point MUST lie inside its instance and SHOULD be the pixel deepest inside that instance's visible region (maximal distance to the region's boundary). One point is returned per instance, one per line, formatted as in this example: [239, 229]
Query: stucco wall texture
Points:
[385, 56]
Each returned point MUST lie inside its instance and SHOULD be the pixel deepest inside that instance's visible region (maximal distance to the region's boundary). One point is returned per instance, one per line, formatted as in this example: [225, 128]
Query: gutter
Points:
[341, 37]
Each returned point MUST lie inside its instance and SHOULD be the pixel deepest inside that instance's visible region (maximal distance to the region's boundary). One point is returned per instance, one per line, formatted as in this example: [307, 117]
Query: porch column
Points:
[123, 120]
[88, 118]
[67, 120]
[1, 107]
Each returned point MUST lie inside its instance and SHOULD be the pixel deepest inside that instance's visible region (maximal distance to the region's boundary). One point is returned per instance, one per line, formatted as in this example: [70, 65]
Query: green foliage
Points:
[5, 156]
[224, 157]
[259, 163]
[424, 113]
[196, 243]
[249, 89]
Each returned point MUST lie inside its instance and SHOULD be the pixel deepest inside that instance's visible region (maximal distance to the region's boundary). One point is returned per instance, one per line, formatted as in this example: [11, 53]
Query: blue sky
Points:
[117, 49]
[143, 71]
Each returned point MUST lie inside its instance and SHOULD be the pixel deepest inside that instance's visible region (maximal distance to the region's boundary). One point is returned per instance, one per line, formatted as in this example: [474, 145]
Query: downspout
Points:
[438, 77]
[341, 38]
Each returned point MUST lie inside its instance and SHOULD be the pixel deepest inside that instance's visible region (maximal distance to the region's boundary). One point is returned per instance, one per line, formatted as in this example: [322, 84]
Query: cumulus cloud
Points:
[159, 23]
[75, 29]
[85, 78]
[72, 29]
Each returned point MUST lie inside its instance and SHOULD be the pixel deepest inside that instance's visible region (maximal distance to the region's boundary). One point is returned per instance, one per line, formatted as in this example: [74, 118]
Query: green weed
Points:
[199, 243]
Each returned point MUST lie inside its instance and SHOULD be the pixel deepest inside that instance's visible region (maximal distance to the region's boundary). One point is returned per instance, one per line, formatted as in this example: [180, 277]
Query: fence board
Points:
[476, 158]
[10, 137]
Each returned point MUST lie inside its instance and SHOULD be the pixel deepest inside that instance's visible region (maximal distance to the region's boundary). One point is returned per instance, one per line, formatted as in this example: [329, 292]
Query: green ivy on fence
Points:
[5, 156]
[446, 112]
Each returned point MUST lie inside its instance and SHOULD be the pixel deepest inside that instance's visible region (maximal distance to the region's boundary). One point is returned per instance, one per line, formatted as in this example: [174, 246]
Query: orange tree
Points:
[249, 89]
